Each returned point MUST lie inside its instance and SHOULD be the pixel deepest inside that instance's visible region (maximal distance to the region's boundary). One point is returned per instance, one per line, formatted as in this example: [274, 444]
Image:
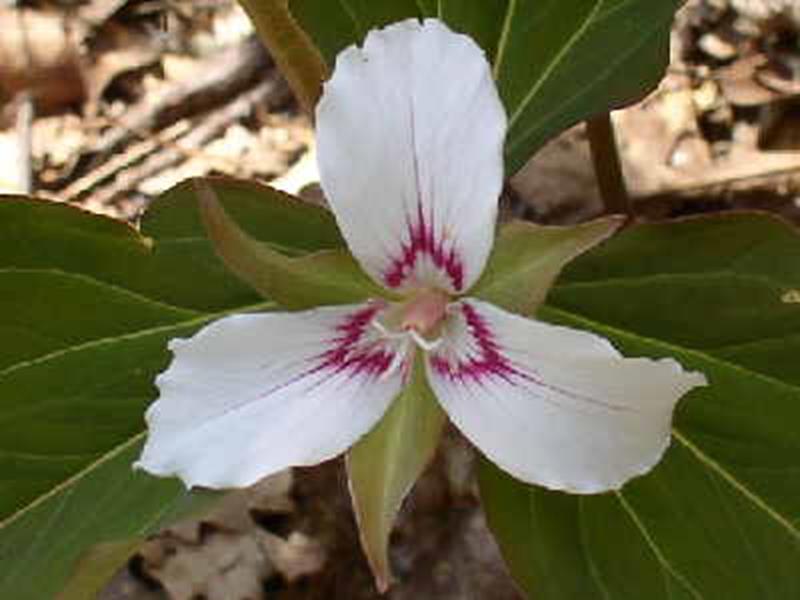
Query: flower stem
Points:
[607, 166]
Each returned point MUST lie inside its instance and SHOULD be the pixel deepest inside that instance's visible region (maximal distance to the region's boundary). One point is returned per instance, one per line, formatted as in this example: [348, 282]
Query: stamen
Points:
[397, 360]
[385, 332]
[427, 345]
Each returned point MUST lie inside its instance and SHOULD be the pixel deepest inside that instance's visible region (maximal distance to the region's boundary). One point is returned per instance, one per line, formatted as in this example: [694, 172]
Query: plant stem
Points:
[607, 166]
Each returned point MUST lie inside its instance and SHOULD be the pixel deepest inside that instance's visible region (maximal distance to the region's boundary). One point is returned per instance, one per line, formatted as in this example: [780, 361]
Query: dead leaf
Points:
[741, 83]
[224, 566]
[296, 557]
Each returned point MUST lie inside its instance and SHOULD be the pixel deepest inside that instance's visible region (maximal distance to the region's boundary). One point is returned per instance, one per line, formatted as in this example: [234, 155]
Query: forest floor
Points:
[118, 100]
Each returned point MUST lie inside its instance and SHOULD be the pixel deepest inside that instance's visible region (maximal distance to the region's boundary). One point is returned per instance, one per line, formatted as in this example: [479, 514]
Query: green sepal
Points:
[323, 278]
[527, 258]
[383, 466]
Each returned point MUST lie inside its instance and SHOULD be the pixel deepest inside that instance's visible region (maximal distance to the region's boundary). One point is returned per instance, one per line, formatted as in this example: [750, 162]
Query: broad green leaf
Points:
[383, 466]
[172, 261]
[37, 327]
[88, 305]
[556, 62]
[719, 516]
[108, 504]
[324, 278]
[295, 54]
[527, 258]
[560, 61]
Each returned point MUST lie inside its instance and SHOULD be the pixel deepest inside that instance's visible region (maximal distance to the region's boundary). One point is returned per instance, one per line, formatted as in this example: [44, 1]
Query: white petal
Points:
[252, 394]
[551, 405]
[410, 134]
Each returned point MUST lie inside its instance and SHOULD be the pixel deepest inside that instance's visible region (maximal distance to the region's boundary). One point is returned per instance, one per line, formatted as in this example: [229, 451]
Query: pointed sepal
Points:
[322, 278]
[528, 257]
[383, 466]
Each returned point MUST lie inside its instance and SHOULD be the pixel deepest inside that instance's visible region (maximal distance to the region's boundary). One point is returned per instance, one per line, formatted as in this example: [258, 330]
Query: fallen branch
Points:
[226, 75]
[270, 93]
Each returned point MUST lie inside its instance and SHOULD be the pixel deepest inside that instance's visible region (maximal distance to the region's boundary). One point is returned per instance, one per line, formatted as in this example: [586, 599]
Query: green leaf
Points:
[718, 517]
[295, 54]
[107, 503]
[559, 62]
[88, 305]
[556, 62]
[324, 278]
[383, 466]
[527, 258]
[172, 260]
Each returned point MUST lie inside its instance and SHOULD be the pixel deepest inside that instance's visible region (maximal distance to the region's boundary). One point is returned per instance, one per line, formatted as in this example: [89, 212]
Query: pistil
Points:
[423, 313]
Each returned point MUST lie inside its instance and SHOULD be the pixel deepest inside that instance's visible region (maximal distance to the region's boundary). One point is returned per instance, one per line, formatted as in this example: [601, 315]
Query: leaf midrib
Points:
[502, 41]
[737, 485]
[669, 278]
[649, 539]
[95, 281]
[548, 71]
[99, 342]
[511, 147]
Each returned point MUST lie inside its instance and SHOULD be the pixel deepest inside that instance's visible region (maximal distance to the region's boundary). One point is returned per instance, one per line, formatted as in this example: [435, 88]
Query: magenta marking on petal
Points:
[422, 242]
[488, 361]
[351, 353]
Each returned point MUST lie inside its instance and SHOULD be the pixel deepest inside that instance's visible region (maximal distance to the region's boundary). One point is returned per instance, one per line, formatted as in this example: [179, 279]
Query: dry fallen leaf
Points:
[295, 557]
[227, 555]
[223, 566]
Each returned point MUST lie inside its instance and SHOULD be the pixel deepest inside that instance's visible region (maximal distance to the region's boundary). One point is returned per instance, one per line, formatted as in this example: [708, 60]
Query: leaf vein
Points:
[502, 43]
[613, 65]
[740, 487]
[573, 40]
[130, 336]
[665, 564]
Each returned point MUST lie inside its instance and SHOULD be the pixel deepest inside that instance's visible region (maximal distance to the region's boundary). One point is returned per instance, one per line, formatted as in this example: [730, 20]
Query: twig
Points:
[135, 153]
[24, 121]
[270, 92]
[783, 172]
[24, 127]
[227, 75]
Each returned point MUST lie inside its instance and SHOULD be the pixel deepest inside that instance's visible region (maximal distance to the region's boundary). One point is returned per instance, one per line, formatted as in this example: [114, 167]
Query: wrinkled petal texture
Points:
[551, 405]
[410, 133]
[252, 394]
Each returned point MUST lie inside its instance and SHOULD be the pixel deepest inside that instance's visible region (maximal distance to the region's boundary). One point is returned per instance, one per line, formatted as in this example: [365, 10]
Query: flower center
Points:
[424, 312]
[418, 318]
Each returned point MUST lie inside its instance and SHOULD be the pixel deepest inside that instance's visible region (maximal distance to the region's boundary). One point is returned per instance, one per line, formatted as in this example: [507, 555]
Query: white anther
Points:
[426, 345]
[385, 332]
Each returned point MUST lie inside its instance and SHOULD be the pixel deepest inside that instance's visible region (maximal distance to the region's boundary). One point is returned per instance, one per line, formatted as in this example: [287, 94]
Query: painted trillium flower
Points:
[410, 133]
